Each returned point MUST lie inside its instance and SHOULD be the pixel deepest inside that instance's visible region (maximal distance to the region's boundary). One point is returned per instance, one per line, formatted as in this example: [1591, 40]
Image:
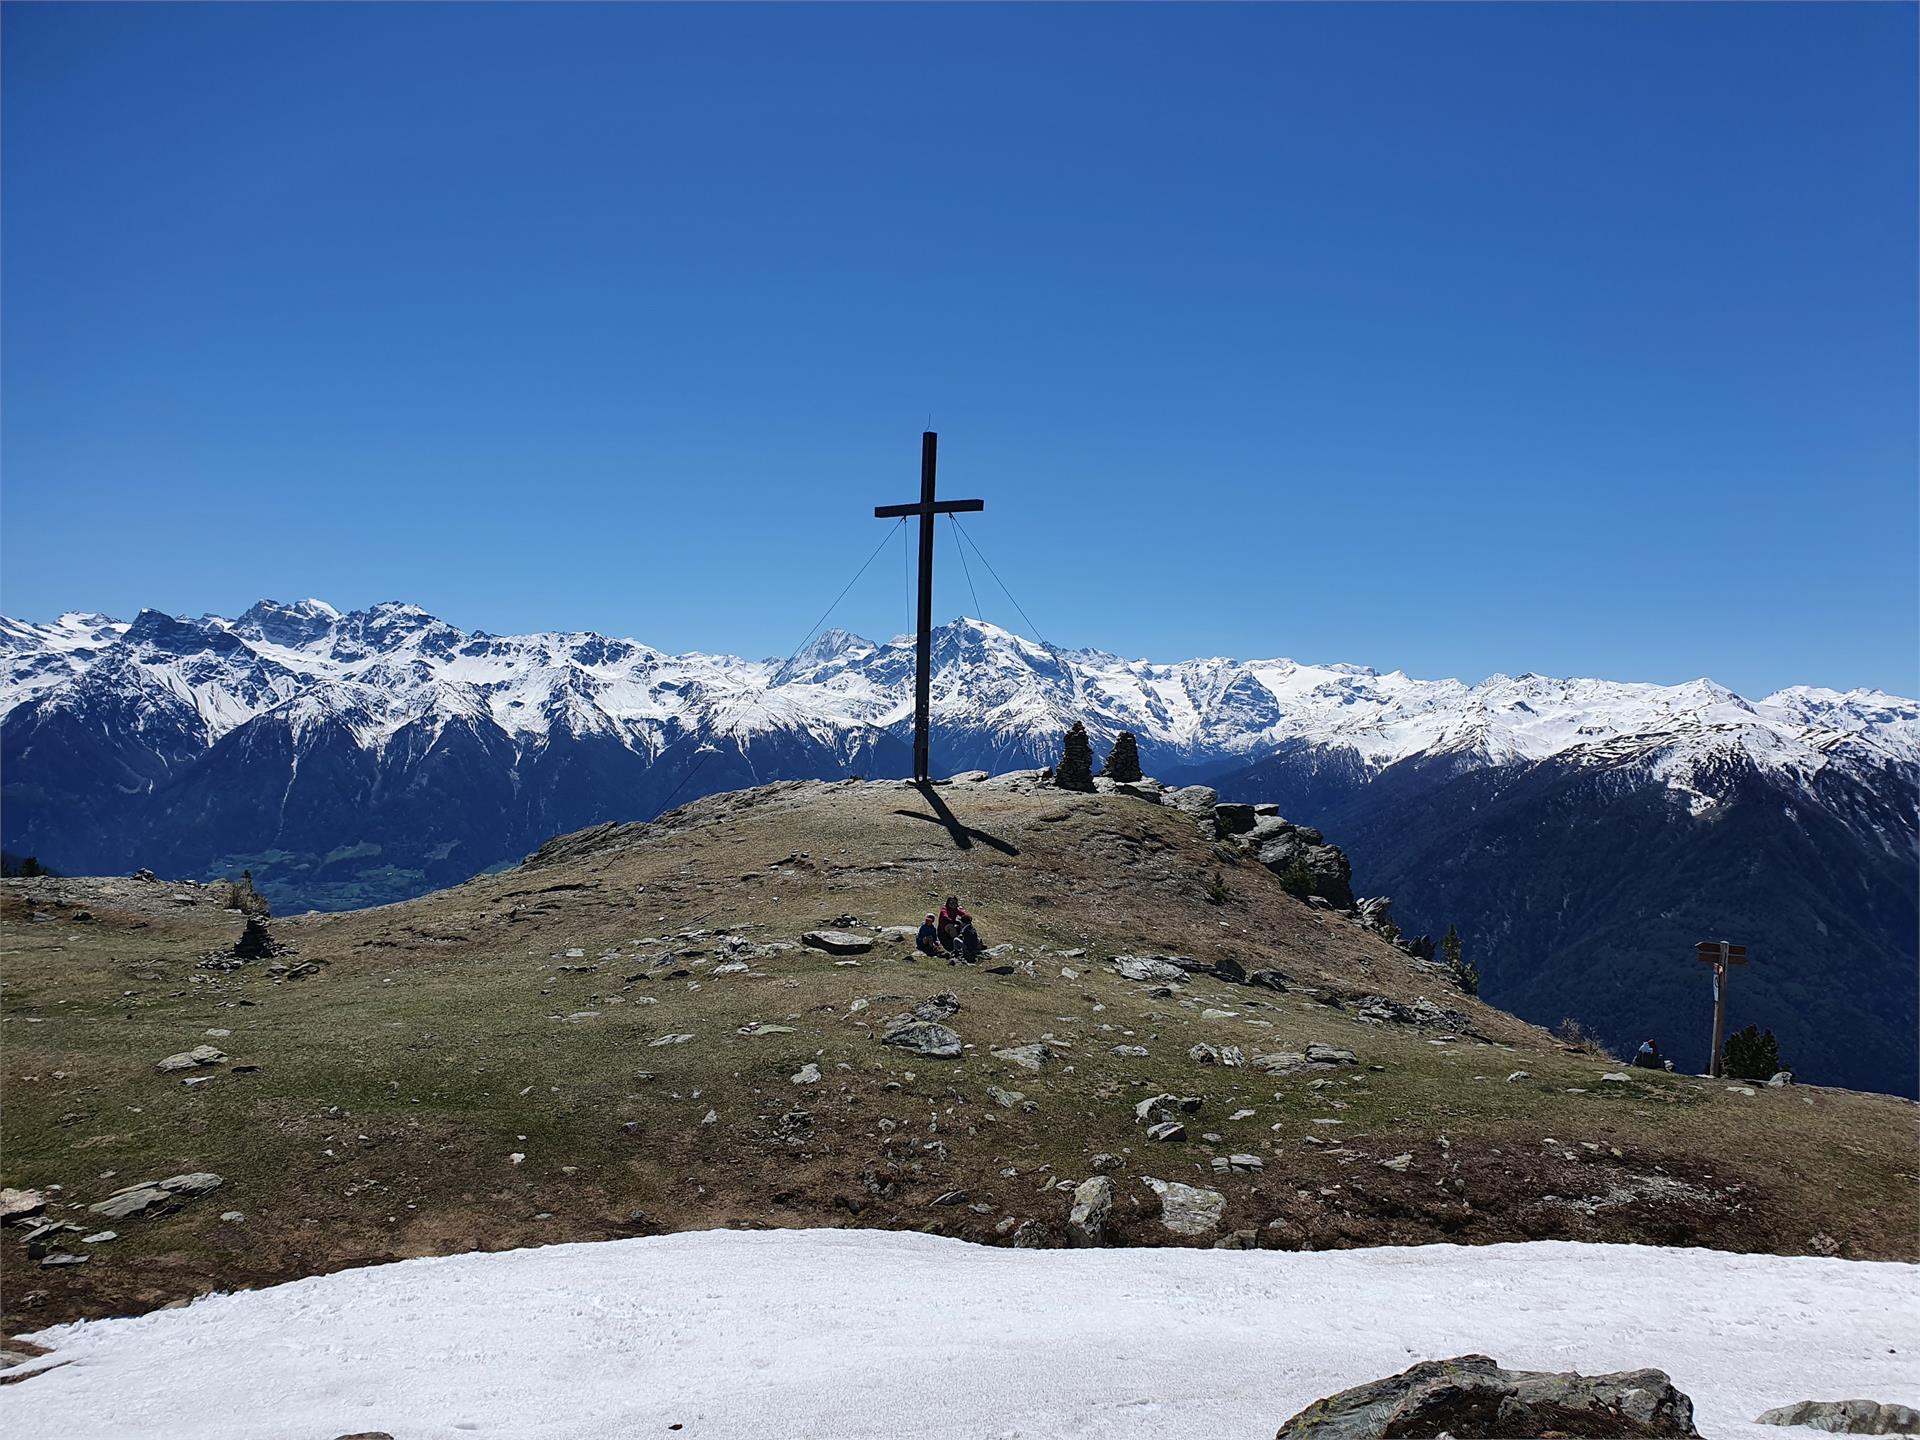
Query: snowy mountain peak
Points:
[987, 680]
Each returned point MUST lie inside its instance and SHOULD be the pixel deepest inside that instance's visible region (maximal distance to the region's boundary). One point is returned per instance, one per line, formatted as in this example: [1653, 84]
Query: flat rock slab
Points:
[837, 942]
[191, 1059]
[1471, 1398]
[923, 1037]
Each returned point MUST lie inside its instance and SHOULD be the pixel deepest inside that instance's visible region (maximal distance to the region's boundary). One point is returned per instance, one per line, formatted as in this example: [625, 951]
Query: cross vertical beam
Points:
[926, 509]
[923, 654]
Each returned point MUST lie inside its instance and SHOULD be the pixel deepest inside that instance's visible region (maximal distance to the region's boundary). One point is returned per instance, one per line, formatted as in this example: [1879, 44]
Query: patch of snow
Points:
[844, 1333]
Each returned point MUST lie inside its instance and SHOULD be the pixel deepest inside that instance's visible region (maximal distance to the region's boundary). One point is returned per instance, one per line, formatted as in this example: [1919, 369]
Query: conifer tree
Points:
[1750, 1054]
[1465, 974]
[1075, 771]
[1123, 761]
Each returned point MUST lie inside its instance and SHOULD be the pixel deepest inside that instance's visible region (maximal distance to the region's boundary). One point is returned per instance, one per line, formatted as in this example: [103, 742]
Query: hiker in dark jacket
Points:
[970, 947]
[1648, 1057]
[927, 942]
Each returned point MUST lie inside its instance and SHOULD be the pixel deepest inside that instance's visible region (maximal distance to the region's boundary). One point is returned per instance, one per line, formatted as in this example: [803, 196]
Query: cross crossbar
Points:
[926, 508]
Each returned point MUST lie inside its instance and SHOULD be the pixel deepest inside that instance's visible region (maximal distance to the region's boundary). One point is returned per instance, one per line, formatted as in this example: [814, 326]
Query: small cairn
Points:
[1075, 771]
[1123, 761]
[254, 942]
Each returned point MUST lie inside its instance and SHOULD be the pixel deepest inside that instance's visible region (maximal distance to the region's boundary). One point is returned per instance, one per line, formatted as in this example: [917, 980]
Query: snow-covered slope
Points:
[866, 1333]
[988, 683]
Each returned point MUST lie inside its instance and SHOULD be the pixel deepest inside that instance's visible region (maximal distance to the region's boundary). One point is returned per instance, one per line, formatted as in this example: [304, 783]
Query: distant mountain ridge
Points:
[359, 757]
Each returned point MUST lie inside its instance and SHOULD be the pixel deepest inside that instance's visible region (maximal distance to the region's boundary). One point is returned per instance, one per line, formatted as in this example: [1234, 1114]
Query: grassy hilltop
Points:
[478, 1068]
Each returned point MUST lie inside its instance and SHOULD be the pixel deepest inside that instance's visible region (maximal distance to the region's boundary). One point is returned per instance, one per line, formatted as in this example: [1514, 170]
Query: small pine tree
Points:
[1075, 771]
[1123, 761]
[1751, 1054]
[1465, 973]
[30, 867]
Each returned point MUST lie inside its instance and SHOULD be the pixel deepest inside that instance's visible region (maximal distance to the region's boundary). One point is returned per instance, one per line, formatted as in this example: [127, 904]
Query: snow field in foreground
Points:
[844, 1334]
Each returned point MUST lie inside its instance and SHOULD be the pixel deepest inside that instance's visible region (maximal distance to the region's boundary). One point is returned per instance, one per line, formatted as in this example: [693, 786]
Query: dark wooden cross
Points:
[926, 508]
[1720, 954]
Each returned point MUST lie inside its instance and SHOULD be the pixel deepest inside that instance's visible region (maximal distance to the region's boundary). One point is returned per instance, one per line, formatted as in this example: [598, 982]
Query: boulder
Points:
[1156, 1108]
[1092, 1205]
[1031, 1235]
[937, 1007]
[1168, 1130]
[191, 1059]
[1149, 969]
[19, 1205]
[1187, 1209]
[923, 1037]
[1376, 913]
[1027, 1057]
[1217, 1055]
[1230, 819]
[1470, 1397]
[1238, 1164]
[1198, 801]
[837, 942]
[1845, 1417]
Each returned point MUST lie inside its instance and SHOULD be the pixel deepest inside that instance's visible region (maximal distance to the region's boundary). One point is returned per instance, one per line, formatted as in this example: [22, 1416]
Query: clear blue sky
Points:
[1576, 339]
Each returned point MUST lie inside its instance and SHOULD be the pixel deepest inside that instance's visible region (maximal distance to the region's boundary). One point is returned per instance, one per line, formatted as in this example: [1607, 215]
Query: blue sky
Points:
[1576, 339]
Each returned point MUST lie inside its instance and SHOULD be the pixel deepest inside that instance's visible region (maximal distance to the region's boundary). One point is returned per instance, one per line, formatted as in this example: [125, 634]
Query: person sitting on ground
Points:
[1648, 1057]
[927, 942]
[952, 917]
[970, 946]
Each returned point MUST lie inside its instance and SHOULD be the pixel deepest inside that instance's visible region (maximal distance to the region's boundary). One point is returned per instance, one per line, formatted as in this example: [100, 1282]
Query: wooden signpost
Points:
[926, 509]
[1722, 955]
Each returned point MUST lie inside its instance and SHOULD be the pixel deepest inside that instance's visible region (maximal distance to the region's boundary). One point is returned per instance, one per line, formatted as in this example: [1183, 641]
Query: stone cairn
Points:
[1075, 771]
[1123, 761]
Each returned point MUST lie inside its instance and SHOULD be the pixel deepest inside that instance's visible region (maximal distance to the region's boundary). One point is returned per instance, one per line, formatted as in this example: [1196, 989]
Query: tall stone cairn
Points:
[1123, 761]
[1075, 771]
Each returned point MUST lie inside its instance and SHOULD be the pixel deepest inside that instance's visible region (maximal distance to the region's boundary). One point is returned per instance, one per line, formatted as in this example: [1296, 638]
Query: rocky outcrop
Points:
[1471, 1398]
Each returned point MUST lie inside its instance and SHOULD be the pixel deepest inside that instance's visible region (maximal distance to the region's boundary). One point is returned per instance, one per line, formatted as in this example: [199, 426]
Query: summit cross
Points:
[926, 508]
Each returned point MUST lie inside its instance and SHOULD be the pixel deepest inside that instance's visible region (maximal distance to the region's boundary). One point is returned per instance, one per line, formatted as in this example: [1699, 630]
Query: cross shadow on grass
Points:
[962, 836]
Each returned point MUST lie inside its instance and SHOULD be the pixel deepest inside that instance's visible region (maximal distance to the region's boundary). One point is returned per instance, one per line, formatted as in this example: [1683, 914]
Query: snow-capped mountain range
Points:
[1581, 833]
[393, 667]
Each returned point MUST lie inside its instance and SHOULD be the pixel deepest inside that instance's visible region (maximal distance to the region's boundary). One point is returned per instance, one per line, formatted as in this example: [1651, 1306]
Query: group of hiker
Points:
[1648, 1057]
[950, 935]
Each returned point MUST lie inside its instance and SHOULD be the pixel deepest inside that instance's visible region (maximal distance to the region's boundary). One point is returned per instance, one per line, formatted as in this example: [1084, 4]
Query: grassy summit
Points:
[530, 1015]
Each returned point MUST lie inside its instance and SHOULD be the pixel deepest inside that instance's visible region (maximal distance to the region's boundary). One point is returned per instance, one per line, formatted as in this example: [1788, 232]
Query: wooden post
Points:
[926, 508]
[1722, 956]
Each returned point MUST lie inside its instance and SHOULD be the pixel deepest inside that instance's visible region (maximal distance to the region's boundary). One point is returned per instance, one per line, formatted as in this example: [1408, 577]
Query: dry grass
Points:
[434, 1043]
